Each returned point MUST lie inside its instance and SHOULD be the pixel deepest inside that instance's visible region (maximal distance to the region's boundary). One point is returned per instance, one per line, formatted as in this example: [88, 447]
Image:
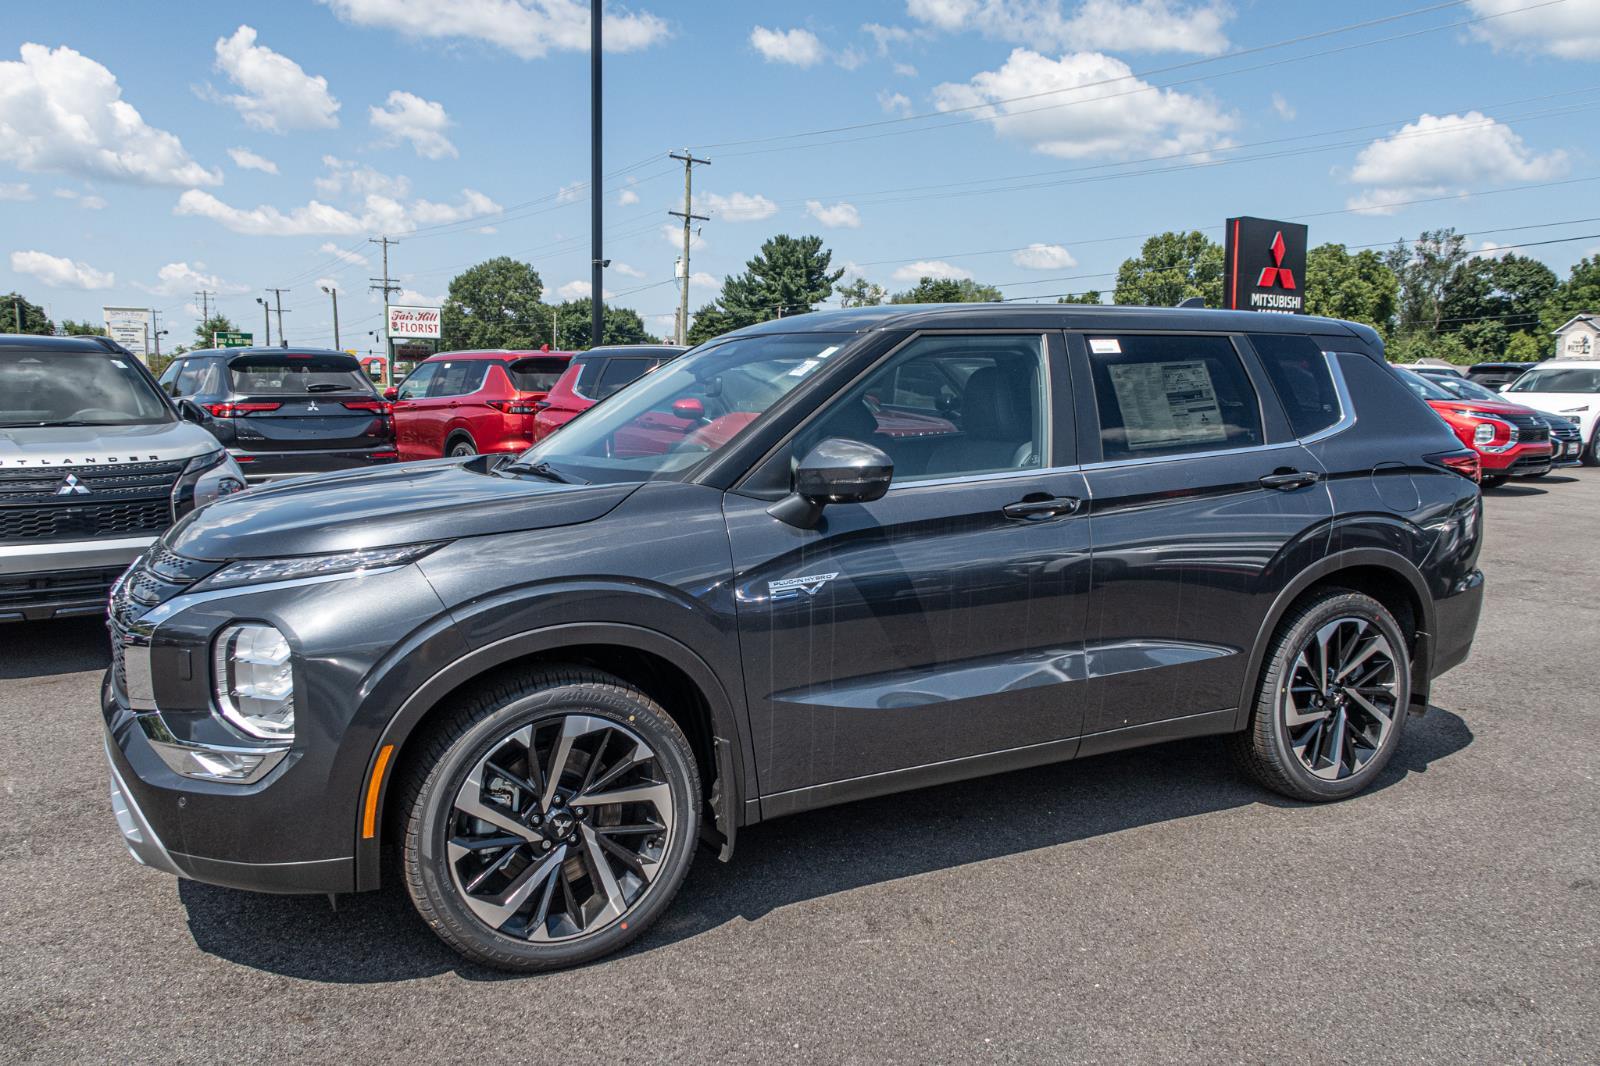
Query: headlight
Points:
[1484, 434]
[206, 477]
[254, 680]
[260, 571]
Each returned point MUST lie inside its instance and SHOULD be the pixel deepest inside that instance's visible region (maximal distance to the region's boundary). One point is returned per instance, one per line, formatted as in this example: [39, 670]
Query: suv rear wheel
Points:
[1332, 700]
[550, 820]
[461, 447]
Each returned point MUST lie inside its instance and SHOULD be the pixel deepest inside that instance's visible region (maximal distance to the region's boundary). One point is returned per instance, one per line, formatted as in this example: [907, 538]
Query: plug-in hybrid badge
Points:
[791, 587]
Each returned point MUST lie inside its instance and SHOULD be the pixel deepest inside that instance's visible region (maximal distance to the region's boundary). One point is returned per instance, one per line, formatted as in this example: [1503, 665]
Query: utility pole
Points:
[204, 297]
[333, 292]
[266, 319]
[16, 305]
[555, 331]
[155, 329]
[283, 338]
[389, 288]
[689, 218]
[597, 320]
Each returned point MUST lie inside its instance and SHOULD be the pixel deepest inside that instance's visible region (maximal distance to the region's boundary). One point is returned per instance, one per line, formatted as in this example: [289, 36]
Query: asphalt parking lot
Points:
[1144, 906]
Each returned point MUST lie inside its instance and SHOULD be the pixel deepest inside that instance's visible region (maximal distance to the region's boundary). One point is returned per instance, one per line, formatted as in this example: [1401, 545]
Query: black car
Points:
[1493, 375]
[819, 559]
[283, 412]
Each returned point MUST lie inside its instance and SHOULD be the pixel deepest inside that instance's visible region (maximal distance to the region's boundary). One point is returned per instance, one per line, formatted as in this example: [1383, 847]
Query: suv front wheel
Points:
[1332, 699]
[550, 820]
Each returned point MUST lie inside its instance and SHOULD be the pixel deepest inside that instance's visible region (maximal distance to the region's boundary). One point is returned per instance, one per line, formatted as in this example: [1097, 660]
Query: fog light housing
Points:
[253, 677]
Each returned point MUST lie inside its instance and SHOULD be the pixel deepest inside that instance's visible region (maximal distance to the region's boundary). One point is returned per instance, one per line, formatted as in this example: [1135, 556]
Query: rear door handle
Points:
[1292, 479]
[1038, 507]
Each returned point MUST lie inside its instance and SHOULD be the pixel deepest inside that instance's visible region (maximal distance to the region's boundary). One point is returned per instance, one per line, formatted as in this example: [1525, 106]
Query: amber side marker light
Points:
[369, 813]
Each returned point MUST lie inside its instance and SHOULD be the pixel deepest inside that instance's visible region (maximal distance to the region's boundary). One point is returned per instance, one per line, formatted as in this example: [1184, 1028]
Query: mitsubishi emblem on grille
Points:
[72, 487]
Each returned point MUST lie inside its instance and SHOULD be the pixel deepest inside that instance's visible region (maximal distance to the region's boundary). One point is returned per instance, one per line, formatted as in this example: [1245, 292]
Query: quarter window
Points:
[620, 372]
[1300, 375]
[1169, 395]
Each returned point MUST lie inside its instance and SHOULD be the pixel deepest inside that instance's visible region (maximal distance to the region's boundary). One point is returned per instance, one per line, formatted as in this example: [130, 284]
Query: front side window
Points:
[1300, 375]
[42, 387]
[1556, 379]
[668, 422]
[1171, 395]
[415, 386]
[457, 378]
[948, 406]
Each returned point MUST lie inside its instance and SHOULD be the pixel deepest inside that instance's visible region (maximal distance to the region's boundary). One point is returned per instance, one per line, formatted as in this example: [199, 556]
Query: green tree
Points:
[1171, 268]
[948, 291]
[1425, 268]
[496, 304]
[34, 320]
[1484, 340]
[1579, 294]
[712, 321]
[82, 329]
[574, 324]
[789, 276]
[1512, 290]
[1357, 288]
[1526, 348]
[860, 293]
[1409, 347]
[1090, 297]
[205, 333]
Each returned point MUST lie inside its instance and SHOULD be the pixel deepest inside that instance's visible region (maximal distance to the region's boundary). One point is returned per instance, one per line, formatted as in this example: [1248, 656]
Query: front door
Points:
[943, 621]
[408, 415]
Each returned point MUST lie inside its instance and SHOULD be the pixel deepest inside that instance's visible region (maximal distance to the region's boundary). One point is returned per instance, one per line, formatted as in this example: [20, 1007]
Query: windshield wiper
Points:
[544, 470]
[50, 425]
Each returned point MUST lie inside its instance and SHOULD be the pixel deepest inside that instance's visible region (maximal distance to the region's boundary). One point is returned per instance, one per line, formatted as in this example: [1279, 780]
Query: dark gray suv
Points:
[815, 560]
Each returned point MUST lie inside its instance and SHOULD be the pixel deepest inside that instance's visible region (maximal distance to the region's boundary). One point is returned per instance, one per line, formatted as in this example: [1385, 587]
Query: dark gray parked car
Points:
[818, 559]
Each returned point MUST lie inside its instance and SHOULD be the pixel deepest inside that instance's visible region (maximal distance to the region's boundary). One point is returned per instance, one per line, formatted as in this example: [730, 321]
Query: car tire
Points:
[1591, 455]
[549, 882]
[1323, 741]
[461, 448]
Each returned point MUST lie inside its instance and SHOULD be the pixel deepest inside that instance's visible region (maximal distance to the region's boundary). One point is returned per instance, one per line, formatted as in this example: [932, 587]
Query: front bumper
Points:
[274, 466]
[62, 579]
[1523, 460]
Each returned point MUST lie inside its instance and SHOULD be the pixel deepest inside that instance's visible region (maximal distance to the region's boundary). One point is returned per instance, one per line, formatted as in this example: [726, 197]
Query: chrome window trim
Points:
[1347, 409]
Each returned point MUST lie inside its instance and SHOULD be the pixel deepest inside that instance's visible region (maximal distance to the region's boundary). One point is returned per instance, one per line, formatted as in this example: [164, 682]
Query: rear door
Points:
[293, 401]
[1204, 504]
[407, 416]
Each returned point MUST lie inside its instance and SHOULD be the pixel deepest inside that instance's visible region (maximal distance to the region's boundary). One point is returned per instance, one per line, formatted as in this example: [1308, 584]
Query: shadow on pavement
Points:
[377, 937]
[1509, 489]
[68, 646]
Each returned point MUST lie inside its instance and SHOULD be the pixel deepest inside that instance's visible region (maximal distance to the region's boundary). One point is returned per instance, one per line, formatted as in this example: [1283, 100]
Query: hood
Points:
[1563, 403]
[409, 503]
[22, 447]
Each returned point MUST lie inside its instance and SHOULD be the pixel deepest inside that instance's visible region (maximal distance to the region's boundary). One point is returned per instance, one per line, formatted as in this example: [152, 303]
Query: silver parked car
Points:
[95, 463]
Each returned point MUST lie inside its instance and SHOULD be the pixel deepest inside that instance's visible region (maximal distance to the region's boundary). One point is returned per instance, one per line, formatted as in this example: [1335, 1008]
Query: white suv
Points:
[1569, 388]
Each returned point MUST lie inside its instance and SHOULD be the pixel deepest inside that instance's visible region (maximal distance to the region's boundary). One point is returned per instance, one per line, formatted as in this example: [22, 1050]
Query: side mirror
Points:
[687, 407]
[392, 393]
[835, 471]
[1504, 388]
[190, 411]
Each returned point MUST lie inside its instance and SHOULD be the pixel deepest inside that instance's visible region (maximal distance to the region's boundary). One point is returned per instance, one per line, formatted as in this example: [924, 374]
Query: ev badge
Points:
[72, 487]
[790, 588]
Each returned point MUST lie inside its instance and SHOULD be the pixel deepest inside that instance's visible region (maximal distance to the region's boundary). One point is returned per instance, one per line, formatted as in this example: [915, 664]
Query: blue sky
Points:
[147, 151]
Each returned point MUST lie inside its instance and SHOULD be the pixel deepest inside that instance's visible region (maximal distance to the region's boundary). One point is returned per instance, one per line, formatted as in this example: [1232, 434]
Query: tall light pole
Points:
[597, 321]
[333, 292]
[266, 318]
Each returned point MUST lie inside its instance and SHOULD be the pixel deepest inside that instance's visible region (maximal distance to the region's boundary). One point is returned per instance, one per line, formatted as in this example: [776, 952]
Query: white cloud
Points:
[87, 201]
[344, 255]
[886, 35]
[850, 58]
[15, 192]
[930, 268]
[702, 280]
[625, 270]
[346, 176]
[571, 194]
[1043, 257]
[1438, 154]
[580, 290]
[406, 116]
[1114, 25]
[1570, 30]
[672, 233]
[1284, 109]
[418, 299]
[905, 70]
[1491, 250]
[327, 283]
[278, 95]
[525, 28]
[182, 279]
[798, 47]
[836, 216]
[740, 207]
[894, 103]
[61, 273]
[488, 229]
[379, 214]
[626, 197]
[245, 159]
[1123, 119]
[62, 112]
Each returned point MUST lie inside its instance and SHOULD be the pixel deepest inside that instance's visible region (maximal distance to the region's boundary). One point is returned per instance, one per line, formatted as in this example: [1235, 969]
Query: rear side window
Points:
[1300, 375]
[536, 375]
[1168, 395]
[620, 372]
[457, 378]
[289, 374]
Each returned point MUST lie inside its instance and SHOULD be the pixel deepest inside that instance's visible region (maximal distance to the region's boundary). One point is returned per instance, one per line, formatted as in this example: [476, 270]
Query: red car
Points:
[592, 376]
[466, 403]
[1511, 440]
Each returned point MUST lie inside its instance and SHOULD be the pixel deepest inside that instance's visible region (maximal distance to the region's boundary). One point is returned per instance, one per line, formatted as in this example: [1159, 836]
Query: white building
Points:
[1579, 338]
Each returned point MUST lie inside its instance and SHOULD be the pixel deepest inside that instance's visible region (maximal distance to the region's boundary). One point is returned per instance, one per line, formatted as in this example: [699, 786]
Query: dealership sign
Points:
[413, 321]
[1266, 266]
[129, 327]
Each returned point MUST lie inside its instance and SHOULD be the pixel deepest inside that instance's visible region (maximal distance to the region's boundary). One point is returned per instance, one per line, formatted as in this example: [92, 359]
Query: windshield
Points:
[297, 375]
[1420, 385]
[669, 421]
[1463, 389]
[42, 387]
[1558, 379]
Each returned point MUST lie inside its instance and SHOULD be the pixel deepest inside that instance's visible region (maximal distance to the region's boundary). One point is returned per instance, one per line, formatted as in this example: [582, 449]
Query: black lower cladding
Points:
[34, 597]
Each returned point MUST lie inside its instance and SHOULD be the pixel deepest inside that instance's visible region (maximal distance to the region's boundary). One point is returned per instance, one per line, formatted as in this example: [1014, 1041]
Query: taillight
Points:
[541, 405]
[377, 407]
[383, 455]
[513, 407]
[1465, 462]
[234, 410]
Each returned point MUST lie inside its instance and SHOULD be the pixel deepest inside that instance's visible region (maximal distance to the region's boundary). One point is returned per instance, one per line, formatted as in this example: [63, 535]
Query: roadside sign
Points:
[129, 327]
[413, 321]
[232, 339]
[1266, 266]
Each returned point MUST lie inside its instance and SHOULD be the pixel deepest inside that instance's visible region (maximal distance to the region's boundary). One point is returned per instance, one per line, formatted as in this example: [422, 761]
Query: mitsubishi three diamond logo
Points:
[1277, 273]
[72, 487]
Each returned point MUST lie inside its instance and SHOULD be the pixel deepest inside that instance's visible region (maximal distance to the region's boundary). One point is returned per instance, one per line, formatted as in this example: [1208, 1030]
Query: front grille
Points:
[54, 503]
[1565, 431]
[157, 576]
[1530, 428]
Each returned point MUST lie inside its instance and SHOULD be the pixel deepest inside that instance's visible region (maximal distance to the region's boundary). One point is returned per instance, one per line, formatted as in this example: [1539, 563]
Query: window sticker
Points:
[1167, 405]
[1105, 346]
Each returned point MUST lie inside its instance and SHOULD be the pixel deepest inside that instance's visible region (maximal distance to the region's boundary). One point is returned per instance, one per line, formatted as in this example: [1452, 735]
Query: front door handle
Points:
[1290, 479]
[1037, 507]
